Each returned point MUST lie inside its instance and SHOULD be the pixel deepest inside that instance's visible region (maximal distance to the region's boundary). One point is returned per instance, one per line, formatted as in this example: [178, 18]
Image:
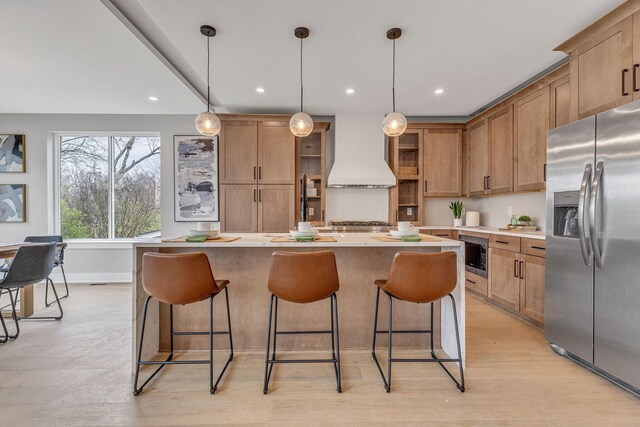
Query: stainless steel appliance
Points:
[359, 226]
[475, 254]
[592, 298]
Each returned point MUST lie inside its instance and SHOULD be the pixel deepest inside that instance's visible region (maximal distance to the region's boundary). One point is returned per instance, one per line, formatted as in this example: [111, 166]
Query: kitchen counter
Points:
[245, 262]
[490, 230]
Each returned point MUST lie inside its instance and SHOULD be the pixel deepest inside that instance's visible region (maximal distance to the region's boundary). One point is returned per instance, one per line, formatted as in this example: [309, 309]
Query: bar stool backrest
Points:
[55, 238]
[420, 278]
[303, 277]
[178, 278]
[31, 264]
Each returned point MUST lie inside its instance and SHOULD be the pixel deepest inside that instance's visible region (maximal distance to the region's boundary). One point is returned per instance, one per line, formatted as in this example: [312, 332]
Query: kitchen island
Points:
[361, 259]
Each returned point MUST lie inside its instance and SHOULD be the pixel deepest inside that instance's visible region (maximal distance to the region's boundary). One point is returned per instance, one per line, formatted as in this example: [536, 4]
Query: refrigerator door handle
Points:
[595, 199]
[583, 232]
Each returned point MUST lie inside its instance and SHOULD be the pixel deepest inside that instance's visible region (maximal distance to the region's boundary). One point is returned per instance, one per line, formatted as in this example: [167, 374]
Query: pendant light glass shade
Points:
[394, 124]
[208, 124]
[301, 124]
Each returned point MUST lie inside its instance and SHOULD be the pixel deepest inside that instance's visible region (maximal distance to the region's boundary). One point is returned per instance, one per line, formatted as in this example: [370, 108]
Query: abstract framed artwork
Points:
[196, 178]
[12, 202]
[12, 153]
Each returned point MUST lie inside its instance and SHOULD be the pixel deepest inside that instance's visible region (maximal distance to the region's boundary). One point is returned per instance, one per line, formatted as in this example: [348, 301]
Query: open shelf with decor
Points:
[311, 159]
[405, 161]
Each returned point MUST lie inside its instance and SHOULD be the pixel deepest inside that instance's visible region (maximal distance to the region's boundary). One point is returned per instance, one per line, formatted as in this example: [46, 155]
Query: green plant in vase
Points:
[524, 220]
[456, 209]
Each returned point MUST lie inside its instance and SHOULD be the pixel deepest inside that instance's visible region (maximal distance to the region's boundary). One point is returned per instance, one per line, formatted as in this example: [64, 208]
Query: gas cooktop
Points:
[360, 226]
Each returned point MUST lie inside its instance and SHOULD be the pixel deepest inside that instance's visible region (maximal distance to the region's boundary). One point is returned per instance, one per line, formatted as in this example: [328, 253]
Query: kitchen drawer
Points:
[504, 242]
[535, 247]
[476, 283]
[442, 233]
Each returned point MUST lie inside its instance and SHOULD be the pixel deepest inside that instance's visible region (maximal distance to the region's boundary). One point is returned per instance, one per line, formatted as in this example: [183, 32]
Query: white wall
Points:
[86, 263]
[493, 210]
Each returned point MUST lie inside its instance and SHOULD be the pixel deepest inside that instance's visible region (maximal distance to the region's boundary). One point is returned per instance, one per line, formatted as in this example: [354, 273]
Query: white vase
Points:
[457, 222]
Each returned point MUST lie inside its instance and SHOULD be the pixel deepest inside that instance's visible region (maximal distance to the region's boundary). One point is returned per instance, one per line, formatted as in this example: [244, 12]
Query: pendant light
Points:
[301, 123]
[207, 123]
[394, 124]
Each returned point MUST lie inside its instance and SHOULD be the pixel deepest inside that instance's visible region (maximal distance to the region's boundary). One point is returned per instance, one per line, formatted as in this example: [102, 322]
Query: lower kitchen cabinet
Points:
[476, 283]
[531, 271]
[504, 282]
[257, 208]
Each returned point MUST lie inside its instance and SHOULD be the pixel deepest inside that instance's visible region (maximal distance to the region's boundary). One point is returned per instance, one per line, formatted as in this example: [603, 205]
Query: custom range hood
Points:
[359, 154]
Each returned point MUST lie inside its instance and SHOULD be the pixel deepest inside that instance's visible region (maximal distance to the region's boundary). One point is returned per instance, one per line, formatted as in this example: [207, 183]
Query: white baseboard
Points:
[56, 276]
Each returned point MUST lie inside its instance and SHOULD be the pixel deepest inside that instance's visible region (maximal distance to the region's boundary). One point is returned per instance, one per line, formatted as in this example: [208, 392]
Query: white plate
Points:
[296, 233]
[211, 234]
[396, 233]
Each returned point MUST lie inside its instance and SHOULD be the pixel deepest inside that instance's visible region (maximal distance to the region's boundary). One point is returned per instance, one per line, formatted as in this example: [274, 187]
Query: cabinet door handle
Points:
[425, 186]
[515, 268]
[396, 215]
[538, 247]
[470, 281]
[521, 270]
[502, 241]
[255, 172]
[254, 195]
[484, 183]
[489, 182]
[635, 77]
[260, 172]
[544, 172]
[260, 196]
[624, 84]
[322, 215]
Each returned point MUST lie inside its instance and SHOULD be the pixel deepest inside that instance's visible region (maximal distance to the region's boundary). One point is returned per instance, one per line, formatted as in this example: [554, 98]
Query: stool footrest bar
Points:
[301, 332]
[418, 331]
[304, 361]
[201, 333]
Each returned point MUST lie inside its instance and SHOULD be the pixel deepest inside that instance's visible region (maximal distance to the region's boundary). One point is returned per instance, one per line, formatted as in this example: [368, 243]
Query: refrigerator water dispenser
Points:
[565, 214]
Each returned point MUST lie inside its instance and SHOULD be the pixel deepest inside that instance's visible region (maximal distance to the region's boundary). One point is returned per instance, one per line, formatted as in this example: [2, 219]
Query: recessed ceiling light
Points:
[260, 89]
[350, 91]
[153, 98]
[439, 91]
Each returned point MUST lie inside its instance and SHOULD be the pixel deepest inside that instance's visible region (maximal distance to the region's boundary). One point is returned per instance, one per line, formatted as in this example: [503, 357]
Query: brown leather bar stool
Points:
[179, 279]
[418, 278]
[303, 278]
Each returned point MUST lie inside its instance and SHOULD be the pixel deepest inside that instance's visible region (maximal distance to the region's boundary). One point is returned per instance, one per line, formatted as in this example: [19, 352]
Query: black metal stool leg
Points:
[375, 326]
[136, 390]
[14, 314]
[55, 293]
[5, 338]
[388, 386]
[66, 285]
[433, 353]
[211, 387]
[455, 322]
[265, 389]
[336, 353]
[226, 295]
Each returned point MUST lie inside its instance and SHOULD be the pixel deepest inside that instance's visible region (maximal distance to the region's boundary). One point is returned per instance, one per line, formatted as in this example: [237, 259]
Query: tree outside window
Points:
[109, 186]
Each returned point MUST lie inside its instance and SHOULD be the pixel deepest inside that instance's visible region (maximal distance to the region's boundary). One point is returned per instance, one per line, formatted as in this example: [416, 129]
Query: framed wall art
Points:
[12, 202]
[196, 178]
[12, 153]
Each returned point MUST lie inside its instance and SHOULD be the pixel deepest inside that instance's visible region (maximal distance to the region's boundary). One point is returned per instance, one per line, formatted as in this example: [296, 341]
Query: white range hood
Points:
[359, 153]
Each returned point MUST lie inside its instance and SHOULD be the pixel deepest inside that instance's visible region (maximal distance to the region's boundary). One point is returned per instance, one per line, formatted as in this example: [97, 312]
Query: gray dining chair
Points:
[31, 264]
[58, 262]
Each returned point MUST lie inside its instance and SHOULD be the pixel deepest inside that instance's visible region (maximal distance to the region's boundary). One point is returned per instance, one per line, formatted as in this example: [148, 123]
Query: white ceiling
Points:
[83, 59]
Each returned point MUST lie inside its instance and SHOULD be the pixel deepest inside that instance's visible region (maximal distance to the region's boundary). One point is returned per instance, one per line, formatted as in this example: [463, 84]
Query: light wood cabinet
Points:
[476, 283]
[311, 159]
[635, 70]
[559, 102]
[601, 71]
[500, 131]
[442, 162]
[276, 208]
[531, 124]
[531, 273]
[276, 153]
[477, 159]
[504, 282]
[239, 152]
[406, 162]
[239, 208]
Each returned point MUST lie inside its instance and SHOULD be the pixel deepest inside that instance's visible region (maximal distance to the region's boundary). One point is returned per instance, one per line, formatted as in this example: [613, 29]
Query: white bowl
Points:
[296, 233]
[210, 234]
[396, 233]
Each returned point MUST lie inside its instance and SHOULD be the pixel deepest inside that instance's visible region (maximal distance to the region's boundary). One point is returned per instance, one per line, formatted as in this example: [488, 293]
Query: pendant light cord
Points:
[208, 87]
[393, 85]
[301, 86]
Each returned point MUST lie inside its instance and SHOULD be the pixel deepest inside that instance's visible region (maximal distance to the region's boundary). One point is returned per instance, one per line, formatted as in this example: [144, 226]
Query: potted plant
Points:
[524, 220]
[456, 208]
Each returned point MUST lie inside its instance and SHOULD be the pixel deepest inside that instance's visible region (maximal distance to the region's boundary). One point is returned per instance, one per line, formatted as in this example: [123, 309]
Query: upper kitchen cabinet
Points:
[531, 124]
[442, 162]
[500, 133]
[405, 160]
[559, 102]
[276, 153]
[478, 159]
[239, 152]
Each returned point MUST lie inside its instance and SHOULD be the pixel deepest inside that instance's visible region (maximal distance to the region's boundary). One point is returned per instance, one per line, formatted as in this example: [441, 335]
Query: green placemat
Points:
[196, 239]
[411, 239]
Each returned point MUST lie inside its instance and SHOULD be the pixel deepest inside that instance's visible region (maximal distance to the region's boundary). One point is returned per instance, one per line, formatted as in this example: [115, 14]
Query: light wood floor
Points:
[76, 372]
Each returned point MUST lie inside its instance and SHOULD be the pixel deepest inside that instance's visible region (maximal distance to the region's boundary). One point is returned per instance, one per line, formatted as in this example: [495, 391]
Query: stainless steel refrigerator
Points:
[592, 295]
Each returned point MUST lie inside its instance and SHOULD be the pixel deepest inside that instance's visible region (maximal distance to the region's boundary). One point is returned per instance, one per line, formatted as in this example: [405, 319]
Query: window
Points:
[109, 186]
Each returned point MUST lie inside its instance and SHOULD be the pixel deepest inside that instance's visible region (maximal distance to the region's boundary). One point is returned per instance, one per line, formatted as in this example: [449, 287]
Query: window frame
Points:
[57, 178]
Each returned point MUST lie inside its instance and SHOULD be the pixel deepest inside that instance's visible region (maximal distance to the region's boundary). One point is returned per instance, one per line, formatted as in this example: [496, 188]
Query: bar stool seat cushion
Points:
[179, 279]
[421, 277]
